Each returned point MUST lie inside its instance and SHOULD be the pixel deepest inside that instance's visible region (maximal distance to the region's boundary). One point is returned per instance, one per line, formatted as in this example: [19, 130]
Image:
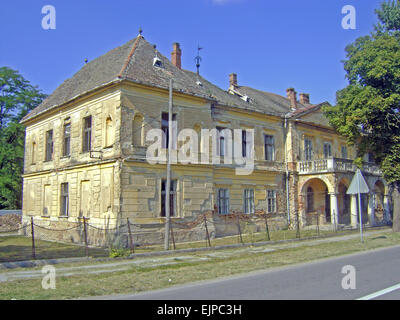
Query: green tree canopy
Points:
[17, 98]
[368, 109]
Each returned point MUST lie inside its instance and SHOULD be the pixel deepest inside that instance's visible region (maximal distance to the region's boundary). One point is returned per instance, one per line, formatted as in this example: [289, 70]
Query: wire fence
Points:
[84, 239]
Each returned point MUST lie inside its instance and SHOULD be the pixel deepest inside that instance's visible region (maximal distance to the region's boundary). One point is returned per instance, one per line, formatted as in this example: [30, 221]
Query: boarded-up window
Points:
[109, 132]
[47, 201]
[137, 130]
[33, 153]
[107, 183]
[85, 199]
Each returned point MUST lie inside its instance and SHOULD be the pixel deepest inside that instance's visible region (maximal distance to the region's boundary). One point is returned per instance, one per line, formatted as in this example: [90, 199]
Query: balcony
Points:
[334, 165]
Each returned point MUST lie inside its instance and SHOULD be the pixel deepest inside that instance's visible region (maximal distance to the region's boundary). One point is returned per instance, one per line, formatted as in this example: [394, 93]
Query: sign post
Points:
[358, 186]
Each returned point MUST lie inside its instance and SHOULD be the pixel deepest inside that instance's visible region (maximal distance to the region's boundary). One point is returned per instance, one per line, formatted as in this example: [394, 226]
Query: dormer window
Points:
[157, 62]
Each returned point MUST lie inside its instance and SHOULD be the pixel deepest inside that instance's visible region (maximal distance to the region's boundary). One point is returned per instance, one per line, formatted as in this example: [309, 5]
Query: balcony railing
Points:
[334, 165]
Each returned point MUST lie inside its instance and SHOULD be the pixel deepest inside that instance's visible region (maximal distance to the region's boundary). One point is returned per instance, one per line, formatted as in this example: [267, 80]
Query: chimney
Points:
[291, 94]
[304, 98]
[176, 55]
[233, 80]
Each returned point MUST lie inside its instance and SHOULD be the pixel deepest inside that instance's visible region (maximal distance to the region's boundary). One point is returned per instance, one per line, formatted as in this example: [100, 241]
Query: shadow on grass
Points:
[18, 248]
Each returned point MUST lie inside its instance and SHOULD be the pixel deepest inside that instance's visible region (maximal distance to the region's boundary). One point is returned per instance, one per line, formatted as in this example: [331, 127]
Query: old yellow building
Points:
[86, 144]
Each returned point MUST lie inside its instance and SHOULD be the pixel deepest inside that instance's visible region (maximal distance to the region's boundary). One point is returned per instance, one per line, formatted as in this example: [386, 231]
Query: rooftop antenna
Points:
[198, 59]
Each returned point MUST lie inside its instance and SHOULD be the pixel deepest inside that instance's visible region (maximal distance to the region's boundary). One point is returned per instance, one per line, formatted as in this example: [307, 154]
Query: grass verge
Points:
[138, 279]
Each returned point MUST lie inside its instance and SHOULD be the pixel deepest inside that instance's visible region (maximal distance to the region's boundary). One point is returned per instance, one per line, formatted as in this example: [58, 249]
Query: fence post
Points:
[297, 225]
[240, 231]
[267, 228]
[208, 235]
[318, 224]
[172, 236]
[85, 234]
[33, 240]
[130, 237]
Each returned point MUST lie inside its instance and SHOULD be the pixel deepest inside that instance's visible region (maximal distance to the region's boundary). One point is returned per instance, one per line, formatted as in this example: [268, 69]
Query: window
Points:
[137, 130]
[165, 129]
[67, 140]
[310, 199]
[109, 132]
[172, 198]
[271, 201]
[327, 150]
[33, 153]
[87, 134]
[223, 201]
[46, 201]
[64, 200]
[308, 149]
[344, 152]
[269, 147]
[249, 201]
[221, 142]
[49, 145]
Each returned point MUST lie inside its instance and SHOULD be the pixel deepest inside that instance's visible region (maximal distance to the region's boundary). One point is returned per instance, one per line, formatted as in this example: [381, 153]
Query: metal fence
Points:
[83, 239]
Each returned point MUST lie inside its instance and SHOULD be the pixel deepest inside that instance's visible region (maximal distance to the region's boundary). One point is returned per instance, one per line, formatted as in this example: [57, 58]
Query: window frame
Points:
[268, 146]
[248, 201]
[49, 152]
[67, 140]
[64, 200]
[272, 206]
[223, 201]
[87, 134]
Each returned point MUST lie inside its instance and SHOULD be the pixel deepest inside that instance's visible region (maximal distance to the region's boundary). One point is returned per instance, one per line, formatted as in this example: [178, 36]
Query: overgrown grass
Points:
[19, 248]
[138, 279]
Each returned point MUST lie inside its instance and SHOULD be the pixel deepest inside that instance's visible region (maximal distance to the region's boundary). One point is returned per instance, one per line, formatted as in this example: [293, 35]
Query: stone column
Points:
[334, 209]
[371, 209]
[353, 211]
[386, 214]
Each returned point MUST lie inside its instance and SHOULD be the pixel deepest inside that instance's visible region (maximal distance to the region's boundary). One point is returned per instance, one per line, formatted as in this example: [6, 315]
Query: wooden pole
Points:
[130, 237]
[267, 228]
[85, 234]
[168, 186]
[208, 235]
[33, 240]
[240, 231]
[172, 236]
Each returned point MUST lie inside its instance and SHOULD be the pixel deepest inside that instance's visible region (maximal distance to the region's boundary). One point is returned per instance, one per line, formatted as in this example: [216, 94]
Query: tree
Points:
[367, 111]
[17, 98]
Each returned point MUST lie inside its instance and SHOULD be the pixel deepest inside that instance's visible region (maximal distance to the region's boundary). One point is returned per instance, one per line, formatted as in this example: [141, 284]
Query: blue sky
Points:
[271, 45]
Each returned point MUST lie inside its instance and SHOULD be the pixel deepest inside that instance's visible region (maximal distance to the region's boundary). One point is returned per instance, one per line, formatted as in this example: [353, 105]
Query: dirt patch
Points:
[10, 222]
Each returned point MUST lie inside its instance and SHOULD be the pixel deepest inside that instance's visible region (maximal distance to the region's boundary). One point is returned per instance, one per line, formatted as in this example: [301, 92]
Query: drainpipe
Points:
[287, 172]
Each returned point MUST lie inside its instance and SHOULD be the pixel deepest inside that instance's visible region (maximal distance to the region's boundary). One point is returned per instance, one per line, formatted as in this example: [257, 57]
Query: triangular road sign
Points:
[358, 184]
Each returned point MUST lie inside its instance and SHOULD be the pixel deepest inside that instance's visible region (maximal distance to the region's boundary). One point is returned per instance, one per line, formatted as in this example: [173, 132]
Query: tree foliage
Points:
[17, 98]
[367, 111]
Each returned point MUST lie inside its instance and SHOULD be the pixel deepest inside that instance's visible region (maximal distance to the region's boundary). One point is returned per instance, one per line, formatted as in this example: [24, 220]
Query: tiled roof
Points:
[133, 61]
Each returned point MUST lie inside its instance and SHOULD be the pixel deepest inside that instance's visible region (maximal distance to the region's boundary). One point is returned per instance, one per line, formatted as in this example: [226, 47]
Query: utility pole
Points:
[168, 186]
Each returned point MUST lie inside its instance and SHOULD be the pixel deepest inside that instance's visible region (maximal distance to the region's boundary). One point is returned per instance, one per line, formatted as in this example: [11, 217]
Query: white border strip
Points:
[380, 293]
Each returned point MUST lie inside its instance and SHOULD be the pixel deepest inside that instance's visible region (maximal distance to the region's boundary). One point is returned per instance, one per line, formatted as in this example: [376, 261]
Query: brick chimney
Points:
[304, 98]
[233, 80]
[176, 55]
[291, 94]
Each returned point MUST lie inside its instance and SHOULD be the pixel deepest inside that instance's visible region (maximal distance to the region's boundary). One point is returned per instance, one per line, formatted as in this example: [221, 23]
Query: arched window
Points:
[137, 130]
[310, 199]
[109, 132]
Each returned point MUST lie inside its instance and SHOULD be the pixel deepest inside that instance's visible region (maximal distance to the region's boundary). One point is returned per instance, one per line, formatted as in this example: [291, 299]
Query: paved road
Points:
[375, 271]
